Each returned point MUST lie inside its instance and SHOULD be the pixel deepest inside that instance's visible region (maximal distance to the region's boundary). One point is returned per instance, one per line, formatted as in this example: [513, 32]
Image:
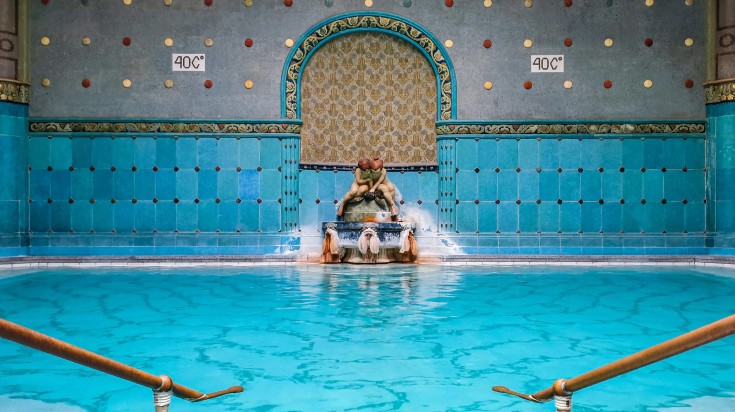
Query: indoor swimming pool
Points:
[378, 338]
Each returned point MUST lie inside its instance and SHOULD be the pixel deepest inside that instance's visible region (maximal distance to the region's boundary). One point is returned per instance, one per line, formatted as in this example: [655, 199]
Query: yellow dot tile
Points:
[688, 41]
[168, 2]
[488, 85]
[168, 83]
[528, 3]
[568, 84]
[488, 3]
[527, 43]
[649, 3]
[45, 82]
[647, 84]
[127, 2]
[248, 3]
[248, 84]
[368, 3]
[608, 42]
[45, 41]
[449, 44]
[168, 42]
[86, 41]
[689, 2]
[208, 42]
[288, 43]
[127, 83]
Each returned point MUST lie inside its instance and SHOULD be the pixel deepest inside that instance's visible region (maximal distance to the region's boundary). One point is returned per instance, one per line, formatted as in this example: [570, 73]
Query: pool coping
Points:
[25, 262]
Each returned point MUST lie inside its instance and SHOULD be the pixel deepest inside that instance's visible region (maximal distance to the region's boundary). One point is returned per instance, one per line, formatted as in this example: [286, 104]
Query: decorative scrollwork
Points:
[575, 128]
[16, 92]
[164, 127]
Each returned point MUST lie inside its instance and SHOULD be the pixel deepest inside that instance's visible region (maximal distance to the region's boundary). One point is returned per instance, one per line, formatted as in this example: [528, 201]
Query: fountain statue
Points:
[370, 229]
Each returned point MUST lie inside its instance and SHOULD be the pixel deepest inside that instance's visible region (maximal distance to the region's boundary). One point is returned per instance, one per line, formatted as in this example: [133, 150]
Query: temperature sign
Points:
[547, 64]
[187, 62]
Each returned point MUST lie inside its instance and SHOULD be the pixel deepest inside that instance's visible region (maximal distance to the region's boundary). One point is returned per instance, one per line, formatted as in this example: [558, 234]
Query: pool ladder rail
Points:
[163, 387]
[561, 391]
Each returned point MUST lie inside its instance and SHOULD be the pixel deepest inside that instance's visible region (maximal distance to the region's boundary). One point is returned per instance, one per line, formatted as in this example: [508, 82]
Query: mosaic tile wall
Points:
[13, 216]
[721, 188]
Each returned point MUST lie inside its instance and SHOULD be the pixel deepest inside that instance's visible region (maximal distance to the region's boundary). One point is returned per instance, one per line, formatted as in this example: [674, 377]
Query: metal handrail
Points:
[160, 384]
[562, 389]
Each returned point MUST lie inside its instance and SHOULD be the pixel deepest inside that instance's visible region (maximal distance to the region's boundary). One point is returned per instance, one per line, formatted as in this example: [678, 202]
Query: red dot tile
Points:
[608, 84]
[527, 84]
[288, 3]
[487, 43]
[567, 3]
[568, 42]
[208, 84]
[207, 3]
[249, 42]
[86, 83]
[126, 41]
[449, 3]
[689, 83]
[648, 42]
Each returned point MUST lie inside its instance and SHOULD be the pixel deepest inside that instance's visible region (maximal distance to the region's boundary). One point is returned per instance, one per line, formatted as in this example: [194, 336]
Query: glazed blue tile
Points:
[228, 216]
[467, 217]
[508, 185]
[695, 217]
[549, 185]
[249, 187]
[249, 153]
[186, 152]
[633, 154]
[653, 153]
[165, 150]
[270, 188]
[653, 185]
[569, 154]
[326, 191]
[695, 185]
[590, 217]
[634, 215]
[82, 187]
[207, 184]
[38, 153]
[654, 220]
[569, 185]
[102, 152]
[60, 153]
[487, 153]
[508, 244]
[102, 216]
[548, 217]
[466, 185]
[81, 152]
[59, 217]
[632, 186]
[39, 184]
[528, 217]
[123, 184]
[591, 185]
[611, 217]
[675, 217]
[270, 216]
[487, 217]
[187, 216]
[343, 181]
[611, 154]
[550, 242]
[207, 214]
[308, 184]
[429, 186]
[507, 217]
[207, 153]
[144, 149]
[145, 184]
[270, 153]
[528, 185]
[60, 181]
[145, 216]
[611, 185]
[674, 185]
[674, 153]
[507, 154]
[144, 243]
[549, 154]
[165, 216]
[249, 217]
[227, 184]
[227, 150]
[466, 150]
[123, 152]
[724, 183]
[570, 217]
[165, 184]
[103, 184]
[410, 187]
[326, 212]
[528, 154]
[487, 186]
[592, 154]
[9, 210]
[124, 216]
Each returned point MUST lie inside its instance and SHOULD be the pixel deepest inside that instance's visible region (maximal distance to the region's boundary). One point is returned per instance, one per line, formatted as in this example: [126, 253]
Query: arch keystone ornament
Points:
[343, 24]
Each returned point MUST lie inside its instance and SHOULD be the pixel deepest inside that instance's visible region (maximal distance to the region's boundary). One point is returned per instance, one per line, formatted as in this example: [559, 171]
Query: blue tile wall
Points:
[14, 191]
[721, 168]
[580, 185]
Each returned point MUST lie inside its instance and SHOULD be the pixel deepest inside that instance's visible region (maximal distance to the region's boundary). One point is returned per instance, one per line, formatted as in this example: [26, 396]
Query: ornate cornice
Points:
[14, 91]
[456, 128]
[719, 91]
[387, 23]
[163, 127]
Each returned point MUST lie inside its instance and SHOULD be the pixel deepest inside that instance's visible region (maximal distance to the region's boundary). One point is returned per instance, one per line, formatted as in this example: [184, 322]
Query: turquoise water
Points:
[344, 338]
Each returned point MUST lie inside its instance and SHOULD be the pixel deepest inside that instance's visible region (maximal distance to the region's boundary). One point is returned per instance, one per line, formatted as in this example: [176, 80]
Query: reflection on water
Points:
[392, 337]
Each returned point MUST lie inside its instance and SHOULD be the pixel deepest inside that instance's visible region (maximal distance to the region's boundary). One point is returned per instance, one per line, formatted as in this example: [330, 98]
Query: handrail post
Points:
[162, 395]
[562, 397]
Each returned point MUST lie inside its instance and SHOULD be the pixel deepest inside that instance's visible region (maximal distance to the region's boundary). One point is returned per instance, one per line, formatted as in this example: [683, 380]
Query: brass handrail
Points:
[56, 347]
[690, 340]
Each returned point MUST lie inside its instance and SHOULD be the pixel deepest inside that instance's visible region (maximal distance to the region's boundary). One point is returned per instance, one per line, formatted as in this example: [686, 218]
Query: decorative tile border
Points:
[153, 126]
[16, 92]
[719, 91]
[349, 168]
[356, 22]
[457, 128]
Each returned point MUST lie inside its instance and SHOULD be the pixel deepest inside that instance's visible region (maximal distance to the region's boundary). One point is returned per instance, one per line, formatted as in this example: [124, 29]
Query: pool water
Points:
[378, 338]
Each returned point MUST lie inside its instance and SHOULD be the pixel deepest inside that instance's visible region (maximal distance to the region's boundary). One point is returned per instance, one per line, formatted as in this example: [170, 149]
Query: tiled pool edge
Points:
[39, 262]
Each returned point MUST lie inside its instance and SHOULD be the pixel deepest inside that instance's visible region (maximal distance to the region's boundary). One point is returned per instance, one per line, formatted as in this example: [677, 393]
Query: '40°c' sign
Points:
[187, 62]
[547, 63]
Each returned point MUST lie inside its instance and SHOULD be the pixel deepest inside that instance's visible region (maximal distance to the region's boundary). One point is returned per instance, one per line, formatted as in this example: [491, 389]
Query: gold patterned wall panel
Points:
[365, 95]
